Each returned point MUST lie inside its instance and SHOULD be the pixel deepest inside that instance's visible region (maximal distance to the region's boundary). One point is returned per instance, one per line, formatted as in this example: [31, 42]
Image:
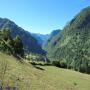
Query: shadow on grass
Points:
[37, 67]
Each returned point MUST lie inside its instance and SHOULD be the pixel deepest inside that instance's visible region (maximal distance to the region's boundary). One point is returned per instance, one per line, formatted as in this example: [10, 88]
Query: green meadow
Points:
[22, 75]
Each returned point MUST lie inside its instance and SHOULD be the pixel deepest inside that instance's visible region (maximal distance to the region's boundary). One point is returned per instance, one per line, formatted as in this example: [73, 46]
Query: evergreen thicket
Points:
[72, 45]
[9, 45]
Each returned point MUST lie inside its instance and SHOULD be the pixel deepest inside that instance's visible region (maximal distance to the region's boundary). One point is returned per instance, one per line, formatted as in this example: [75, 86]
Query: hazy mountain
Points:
[72, 45]
[54, 33]
[50, 39]
[41, 38]
[30, 43]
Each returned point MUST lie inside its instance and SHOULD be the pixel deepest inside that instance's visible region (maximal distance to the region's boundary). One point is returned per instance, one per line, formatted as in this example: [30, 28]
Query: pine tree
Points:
[9, 45]
[18, 46]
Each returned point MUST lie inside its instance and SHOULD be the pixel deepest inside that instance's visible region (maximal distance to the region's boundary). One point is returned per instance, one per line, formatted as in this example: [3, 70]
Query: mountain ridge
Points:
[30, 43]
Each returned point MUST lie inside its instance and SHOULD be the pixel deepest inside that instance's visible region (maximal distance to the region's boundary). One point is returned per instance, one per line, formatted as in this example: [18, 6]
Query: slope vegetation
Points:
[48, 42]
[73, 44]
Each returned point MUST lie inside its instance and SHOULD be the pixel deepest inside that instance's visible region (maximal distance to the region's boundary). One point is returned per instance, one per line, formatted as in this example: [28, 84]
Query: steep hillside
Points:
[47, 44]
[24, 76]
[54, 33]
[30, 43]
[73, 44]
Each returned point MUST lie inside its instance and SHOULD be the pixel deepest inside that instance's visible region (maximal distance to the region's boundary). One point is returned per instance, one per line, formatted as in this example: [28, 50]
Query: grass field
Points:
[24, 76]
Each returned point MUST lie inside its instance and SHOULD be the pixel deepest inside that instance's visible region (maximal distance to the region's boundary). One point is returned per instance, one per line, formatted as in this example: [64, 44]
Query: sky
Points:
[41, 16]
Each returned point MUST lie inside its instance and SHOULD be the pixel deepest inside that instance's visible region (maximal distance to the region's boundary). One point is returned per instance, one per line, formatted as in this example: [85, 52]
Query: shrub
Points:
[63, 64]
[56, 63]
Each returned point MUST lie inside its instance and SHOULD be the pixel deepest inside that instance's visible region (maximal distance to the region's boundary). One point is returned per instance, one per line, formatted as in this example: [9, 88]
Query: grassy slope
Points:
[25, 77]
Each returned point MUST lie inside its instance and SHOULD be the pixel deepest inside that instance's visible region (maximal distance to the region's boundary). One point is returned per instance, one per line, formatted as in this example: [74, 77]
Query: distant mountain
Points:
[41, 38]
[30, 43]
[72, 45]
[52, 35]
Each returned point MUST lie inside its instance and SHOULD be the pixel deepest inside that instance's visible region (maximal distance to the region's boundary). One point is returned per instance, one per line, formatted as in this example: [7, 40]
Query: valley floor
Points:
[24, 76]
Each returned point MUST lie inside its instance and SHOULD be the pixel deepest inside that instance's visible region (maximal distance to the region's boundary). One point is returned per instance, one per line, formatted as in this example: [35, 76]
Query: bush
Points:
[63, 64]
[56, 63]
[89, 68]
